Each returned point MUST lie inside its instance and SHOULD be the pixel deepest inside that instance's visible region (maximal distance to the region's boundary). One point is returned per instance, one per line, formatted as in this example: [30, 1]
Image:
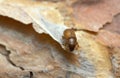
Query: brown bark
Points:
[31, 43]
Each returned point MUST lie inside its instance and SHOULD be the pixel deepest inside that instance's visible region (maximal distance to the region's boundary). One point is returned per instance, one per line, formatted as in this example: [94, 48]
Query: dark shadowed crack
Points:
[6, 53]
[28, 76]
[31, 74]
[9, 60]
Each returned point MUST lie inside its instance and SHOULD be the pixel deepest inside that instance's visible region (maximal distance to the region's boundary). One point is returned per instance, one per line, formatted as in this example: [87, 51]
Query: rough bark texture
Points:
[28, 50]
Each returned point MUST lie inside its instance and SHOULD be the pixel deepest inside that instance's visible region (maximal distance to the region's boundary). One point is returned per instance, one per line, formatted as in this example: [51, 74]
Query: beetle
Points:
[69, 39]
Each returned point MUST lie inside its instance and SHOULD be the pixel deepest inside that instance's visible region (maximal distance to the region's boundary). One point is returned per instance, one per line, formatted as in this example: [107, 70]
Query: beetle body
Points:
[70, 40]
